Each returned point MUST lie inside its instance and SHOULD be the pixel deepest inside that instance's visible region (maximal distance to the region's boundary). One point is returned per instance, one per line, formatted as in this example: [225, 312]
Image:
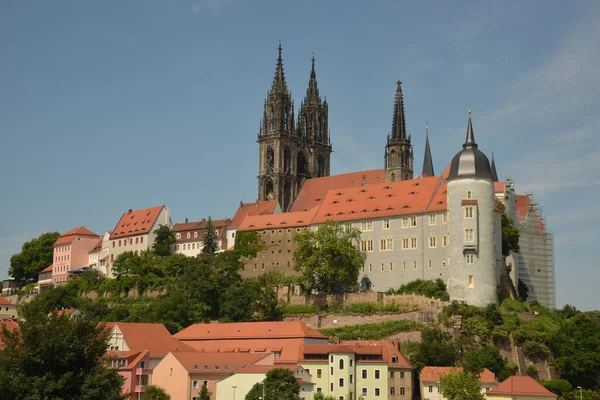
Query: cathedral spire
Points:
[399, 121]
[427, 160]
[312, 92]
[494, 173]
[279, 84]
[470, 140]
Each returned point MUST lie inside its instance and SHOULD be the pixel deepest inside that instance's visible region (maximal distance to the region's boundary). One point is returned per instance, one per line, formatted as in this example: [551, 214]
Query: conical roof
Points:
[427, 159]
[470, 162]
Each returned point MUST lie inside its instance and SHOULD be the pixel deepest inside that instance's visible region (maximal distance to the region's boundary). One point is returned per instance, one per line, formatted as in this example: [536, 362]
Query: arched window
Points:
[469, 194]
[178, 236]
[189, 235]
[341, 363]
[195, 234]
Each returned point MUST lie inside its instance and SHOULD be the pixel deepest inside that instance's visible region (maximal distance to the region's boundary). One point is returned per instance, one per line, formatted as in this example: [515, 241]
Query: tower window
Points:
[432, 242]
[469, 194]
[469, 212]
[470, 258]
[471, 282]
[469, 235]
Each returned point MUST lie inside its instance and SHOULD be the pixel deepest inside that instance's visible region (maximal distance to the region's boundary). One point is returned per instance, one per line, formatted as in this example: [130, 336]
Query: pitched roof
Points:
[47, 269]
[217, 363]
[10, 326]
[521, 386]
[153, 337]
[200, 225]
[313, 191]
[250, 209]
[280, 220]
[98, 246]
[499, 187]
[249, 330]
[524, 206]
[433, 374]
[138, 222]
[71, 235]
[383, 348]
[5, 302]
[378, 200]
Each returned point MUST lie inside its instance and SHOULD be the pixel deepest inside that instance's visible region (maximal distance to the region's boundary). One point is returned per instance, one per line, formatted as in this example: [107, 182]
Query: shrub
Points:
[559, 387]
[299, 309]
[513, 305]
[512, 366]
[531, 369]
[434, 289]
[372, 331]
[534, 349]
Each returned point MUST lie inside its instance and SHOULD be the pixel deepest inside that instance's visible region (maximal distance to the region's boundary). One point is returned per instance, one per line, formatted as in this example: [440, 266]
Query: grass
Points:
[375, 331]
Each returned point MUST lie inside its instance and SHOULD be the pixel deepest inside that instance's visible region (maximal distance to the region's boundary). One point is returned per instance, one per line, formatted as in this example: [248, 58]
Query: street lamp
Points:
[580, 393]
[234, 387]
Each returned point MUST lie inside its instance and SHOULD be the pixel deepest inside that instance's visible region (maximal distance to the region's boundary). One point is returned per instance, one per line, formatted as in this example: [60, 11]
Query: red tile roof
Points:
[137, 222]
[521, 386]
[378, 200]
[385, 349]
[217, 363]
[249, 330]
[10, 326]
[499, 187]
[153, 337]
[67, 311]
[47, 269]
[280, 220]
[433, 374]
[524, 206]
[250, 209]
[5, 302]
[71, 235]
[313, 191]
[98, 246]
[200, 225]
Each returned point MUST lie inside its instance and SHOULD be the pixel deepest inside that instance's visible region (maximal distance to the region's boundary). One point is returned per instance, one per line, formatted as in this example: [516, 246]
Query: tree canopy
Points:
[164, 241]
[329, 258]
[153, 392]
[435, 349]
[461, 386]
[35, 255]
[279, 383]
[209, 242]
[489, 357]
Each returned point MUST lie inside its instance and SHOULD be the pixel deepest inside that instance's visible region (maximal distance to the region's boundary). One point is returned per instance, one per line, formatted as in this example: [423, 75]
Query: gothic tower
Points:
[398, 150]
[277, 177]
[314, 155]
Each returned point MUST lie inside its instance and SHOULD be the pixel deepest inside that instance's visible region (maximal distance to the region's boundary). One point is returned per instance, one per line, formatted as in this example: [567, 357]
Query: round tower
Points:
[472, 271]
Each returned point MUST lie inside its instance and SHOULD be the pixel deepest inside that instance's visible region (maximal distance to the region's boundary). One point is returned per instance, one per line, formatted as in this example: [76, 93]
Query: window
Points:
[364, 374]
[113, 244]
[137, 240]
[195, 384]
[347, 226]
[391, 374]
[413, 221]
[178, 236]
[430, 389]
[195, 234]
[469, 235]
[319, 390]
[341, 382]
[194, 246]
[402, 391]
[331, 386]
[391, 267]
[469, 212]
[386, 223]
[432, 219]
[470, 281]
[445, 217]
[470, 258]
[377, 373]
[377, 392]
[385, 244]
[381, 267]
[330, 358]
[413, 243]
[443, 263]
[392, 390]
[341, 363]
[189, 235]
[405, 223]
[403, 264]
[404, 243]
[331, 370]
[401, 374]
[429, 264]
[119, 243]
[205, 383]
[370, 245]
[432, 242]
[131, 241]
[319, 373]
[364, 391]
[366, 226]
[141, 239]
[277, 354]
[262, 266]
[350, 363]
[469, 194]
[351, 378]
[414, 265]
[445, 240]
[370, 267]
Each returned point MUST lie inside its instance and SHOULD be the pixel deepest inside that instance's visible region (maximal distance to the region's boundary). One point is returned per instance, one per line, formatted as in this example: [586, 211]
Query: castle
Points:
[430, 226]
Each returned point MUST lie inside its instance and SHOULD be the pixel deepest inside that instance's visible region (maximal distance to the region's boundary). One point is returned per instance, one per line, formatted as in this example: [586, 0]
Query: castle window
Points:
[381, 267]
[413, 243]
[366, 226]
[386, 223]
[445, 240]
[469, 235]
[403, 264]
[429, 264]
[391, 266]
[432, 242]
[404, 243]
[469, 194]
[262, 266]
[413, 221]
[470, 258]
[414, 265]
[385, 244]
[348, 226]
[445, 217]
[443, 263]
[469, 212]
[370, 268]
[195, 234]
[189, 235]
[370, 245]
[432, 219]
[471, 282]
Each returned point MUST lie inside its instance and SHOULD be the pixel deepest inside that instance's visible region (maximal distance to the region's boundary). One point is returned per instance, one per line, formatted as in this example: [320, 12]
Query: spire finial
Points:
[470, 140]
[279, 48]
[470, 111]
[427, 127]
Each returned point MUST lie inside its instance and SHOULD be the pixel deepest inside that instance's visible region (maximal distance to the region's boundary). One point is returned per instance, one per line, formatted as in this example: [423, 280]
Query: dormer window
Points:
[178, 236]
[189, 235]
[195, 234]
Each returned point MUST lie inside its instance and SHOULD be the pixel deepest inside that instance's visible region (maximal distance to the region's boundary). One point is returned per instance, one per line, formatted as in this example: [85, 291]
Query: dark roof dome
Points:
[470, 162]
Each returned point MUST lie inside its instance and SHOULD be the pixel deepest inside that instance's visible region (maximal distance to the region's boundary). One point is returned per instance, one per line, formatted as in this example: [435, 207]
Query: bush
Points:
[433, 289]
[299, 309]
[559, 387]
[531, 370]
[535, 349]
[372, 331]
[512, 366]
[375, 308]
[513, 305]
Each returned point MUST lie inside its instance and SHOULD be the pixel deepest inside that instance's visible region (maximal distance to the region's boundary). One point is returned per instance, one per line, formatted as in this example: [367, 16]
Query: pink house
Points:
[71, 251]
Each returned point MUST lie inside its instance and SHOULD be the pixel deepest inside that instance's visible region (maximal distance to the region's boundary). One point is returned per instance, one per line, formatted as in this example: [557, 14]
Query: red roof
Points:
[10, 326]
[281, 220]
[250, 209]
[313, 191]
[98, 246]
[524, 206]
[137, 222]
[378, 200]
[433, 374]
[499, 187]
[217, 363]
[386, 349]
[521, 386]
[67, 311]
[249, 330]
[5, 302]
[71, 235]
[200, 225]
[153, 337]
[47, 269]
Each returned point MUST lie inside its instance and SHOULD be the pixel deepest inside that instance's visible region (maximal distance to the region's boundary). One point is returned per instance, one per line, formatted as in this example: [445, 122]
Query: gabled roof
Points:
[251, 209]
[153, 337]
[521, 386]
[200, 225]
[385, 349]
[5, 302]
[433, 374]
[134, 223]
[499, 187]
[378, 200]
[217, 363]
[524, 207]
[98, 246]
[313, 191]
[280, 220]
[249, 330]
[71, 235]
[47, 269]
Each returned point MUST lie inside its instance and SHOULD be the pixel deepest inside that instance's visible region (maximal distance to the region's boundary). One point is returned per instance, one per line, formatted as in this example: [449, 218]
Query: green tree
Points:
[236, 303]
[266, 307]
[329, 258]
[175, 310]
[204, 393]
[164, 241]
[248, 243]
[52, 357]
[510, 233]
[155, 393]
[435, 349]
[279, 384]
[53, 299]
[488, 357]
[209, 242]
[559, 387]
[461, 386]
[35, 255]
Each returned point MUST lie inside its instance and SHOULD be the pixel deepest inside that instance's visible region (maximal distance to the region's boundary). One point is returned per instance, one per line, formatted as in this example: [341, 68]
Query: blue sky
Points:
[111, 105]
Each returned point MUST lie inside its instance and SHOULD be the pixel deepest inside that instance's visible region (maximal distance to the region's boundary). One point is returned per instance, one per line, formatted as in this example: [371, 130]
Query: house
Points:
[189, 236]
[368, 369]
[520, 388]
[69, 312]
[183, 373]
[249, 209]
[133, 366]
[430, 381]
[71, 252]
[94, 254]
[9, 286]
[135, 232]
[11, 325]
[283, 339]
[7, 309]
[45, 279]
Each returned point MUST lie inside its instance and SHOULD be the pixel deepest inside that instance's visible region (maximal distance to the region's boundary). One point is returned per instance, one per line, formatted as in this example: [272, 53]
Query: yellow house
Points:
[430, 381]
[520, 388]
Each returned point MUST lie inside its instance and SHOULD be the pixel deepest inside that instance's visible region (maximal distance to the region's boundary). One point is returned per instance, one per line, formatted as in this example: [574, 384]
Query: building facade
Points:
[71, 252]
[430, 378]
[189, 236]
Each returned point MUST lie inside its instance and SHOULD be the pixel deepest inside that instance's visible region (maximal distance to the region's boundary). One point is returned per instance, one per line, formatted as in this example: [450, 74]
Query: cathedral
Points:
[413, 226]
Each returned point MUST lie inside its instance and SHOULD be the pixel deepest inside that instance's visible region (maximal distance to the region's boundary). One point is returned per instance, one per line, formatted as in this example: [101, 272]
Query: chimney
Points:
[241, 204]
[203, 220]
[129, 211]
[186, 221]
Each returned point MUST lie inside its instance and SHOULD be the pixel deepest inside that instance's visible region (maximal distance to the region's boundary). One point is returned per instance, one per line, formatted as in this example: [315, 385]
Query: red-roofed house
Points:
[11, 325]
[246, 210]
[135, 232]
[8, 310]
[189, 236]
[430, 381]
[520, 388]
[133, 366]
[71, 252]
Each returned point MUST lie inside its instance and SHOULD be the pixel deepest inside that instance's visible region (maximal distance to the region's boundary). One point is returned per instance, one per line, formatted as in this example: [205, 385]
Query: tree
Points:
[489, 357]
[164, 241]
[236, 303]
[266, 307]
[510, 233]
[204, 393]
[559, 387]
[155, 393]
[56, 357]
[248, 243]
[209, 242]
[279, 384]
[435, 349]
[35, 255]
[461, 386]
[329, 258]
